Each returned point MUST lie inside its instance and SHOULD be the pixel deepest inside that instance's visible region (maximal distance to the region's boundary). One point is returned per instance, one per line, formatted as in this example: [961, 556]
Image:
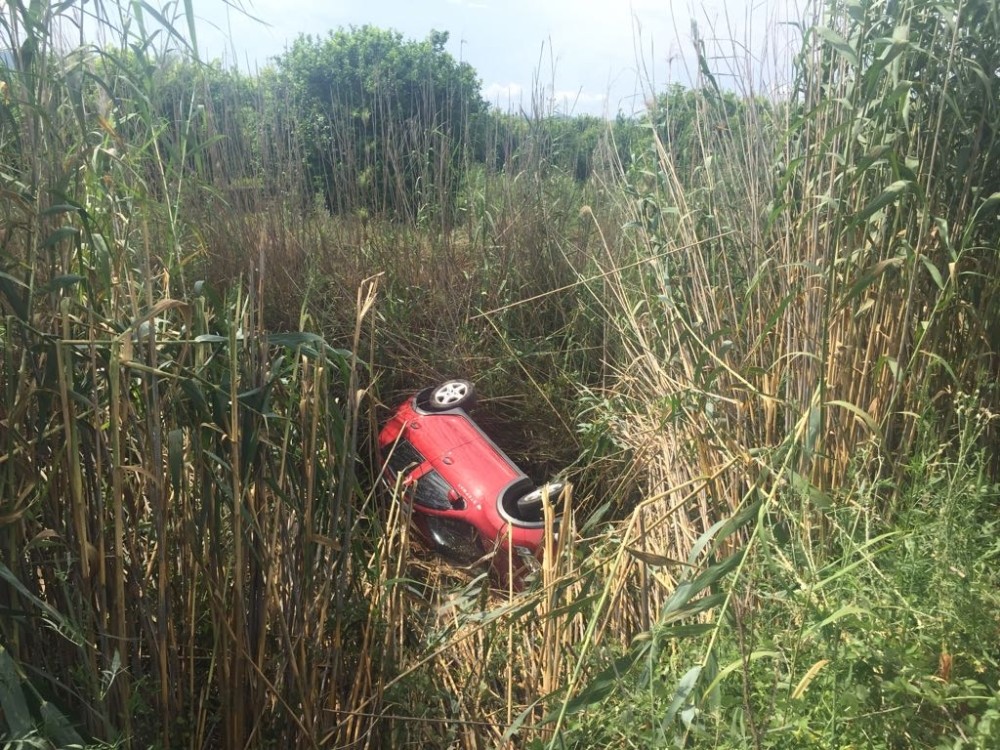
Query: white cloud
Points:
[599, 56]
[569, 102]
[504, 95]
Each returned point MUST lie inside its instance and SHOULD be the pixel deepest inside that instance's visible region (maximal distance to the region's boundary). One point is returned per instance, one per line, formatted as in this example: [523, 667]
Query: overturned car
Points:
[466, 497]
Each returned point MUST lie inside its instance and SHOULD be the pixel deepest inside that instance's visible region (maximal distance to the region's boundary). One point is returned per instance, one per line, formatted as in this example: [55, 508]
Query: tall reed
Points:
[808, 295]
[719, 325]
[817, 273]
[179, 490]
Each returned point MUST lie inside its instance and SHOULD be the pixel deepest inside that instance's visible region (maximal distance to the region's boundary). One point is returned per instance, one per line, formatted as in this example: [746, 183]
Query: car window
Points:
[403, 456]
[455, 539]
[431, 491]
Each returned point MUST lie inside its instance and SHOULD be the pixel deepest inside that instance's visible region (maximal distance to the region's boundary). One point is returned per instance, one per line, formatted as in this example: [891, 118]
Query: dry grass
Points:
[185, 476]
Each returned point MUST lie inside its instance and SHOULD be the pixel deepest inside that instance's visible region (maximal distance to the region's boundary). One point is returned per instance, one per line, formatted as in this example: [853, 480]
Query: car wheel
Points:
[529, 506]
[452, 394]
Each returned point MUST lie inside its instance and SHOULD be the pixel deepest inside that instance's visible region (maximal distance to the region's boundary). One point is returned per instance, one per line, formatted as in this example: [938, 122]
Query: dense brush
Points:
[757, 331]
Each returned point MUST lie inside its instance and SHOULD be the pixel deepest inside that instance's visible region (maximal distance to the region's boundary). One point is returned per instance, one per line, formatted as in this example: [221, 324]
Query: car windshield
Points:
[431, 491]
[456, 539]
[403, 456]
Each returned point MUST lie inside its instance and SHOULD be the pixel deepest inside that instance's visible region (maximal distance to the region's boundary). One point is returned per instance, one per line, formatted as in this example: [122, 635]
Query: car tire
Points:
[452, 394]
[529, 506]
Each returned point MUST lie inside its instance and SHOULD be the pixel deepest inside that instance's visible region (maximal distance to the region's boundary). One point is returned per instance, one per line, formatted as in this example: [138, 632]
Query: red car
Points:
[468, 499]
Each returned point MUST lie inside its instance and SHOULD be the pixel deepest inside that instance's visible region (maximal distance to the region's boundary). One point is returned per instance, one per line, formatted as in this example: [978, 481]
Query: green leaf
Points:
[814, 426]
[868, 277]
[939, 360]
[891, 363]
[865, 557]
[65, 627]
[688, 589]
[62, 282]
[515, 726]
[58, 235]
[62, 208]
[574, 606]
[676, 632]
[161, 19]
[600, 687]
[655, 560]
[682, 693]
[736, 522]
[840, 44]
[702, 604]
[710, 673]
[14, 281]
[192, 26]
[888, 196]
[805, 488]
[15, 292]
[934, 272]
[596, 517]
[993, 200]
[193, 390]
[845, 611]
[704, 540]
[58, 728]
[864, 417]
[733, 666]
[295, 338]
[102, 257]
[12, 700]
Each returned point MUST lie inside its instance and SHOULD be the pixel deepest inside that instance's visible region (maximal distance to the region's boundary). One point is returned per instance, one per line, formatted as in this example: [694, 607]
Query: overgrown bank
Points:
[781, 313]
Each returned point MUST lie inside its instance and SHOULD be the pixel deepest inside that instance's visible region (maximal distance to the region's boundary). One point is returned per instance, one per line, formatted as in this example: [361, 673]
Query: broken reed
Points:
[183, 502]
[179, 489]
[797, 312]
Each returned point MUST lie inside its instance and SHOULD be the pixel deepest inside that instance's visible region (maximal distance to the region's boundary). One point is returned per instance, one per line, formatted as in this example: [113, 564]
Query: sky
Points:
[585, 56]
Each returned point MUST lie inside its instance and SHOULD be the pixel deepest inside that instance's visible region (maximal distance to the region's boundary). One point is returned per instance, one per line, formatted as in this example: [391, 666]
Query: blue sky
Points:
[588, 56]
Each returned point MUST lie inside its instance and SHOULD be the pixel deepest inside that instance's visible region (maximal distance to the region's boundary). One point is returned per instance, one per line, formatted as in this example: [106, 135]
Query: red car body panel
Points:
[461, 487]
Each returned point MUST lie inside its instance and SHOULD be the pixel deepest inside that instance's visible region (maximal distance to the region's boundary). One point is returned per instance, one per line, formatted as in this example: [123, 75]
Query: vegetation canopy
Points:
[388, 123]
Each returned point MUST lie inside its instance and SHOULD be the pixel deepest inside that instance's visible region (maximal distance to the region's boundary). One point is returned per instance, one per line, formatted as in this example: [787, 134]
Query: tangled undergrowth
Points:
[758, 334]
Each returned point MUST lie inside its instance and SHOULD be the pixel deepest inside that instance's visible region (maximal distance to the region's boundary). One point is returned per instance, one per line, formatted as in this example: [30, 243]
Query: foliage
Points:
[169, 468]
[569, 145]
[759, 335]
[693, 123]
[386, 121]
[779, 326]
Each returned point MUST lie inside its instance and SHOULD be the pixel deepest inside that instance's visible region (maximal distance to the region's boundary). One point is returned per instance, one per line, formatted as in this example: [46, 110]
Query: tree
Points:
[385, 122]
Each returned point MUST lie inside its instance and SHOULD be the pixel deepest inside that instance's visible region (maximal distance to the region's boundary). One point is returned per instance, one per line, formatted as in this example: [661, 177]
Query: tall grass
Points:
[813, 277]
[181, 511]
[811, 309]
[762, 346]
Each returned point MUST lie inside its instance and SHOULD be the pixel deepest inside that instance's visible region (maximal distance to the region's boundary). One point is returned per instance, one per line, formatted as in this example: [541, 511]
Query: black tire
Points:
[452, 394]
[529, 506]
